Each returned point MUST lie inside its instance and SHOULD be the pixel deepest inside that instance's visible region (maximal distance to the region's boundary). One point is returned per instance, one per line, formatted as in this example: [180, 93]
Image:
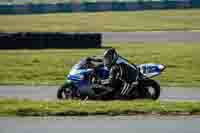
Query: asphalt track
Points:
[49, 93]
[120, 124]
[156, 36]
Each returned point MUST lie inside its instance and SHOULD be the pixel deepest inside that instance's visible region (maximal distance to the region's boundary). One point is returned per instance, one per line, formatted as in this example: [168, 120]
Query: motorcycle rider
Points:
[122, 76]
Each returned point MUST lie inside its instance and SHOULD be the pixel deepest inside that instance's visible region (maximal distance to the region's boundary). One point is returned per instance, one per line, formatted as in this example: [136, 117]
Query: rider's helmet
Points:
[110, 57]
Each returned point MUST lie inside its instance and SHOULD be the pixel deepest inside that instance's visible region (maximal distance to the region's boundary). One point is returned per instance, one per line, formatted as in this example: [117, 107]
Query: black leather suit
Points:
[121, 74]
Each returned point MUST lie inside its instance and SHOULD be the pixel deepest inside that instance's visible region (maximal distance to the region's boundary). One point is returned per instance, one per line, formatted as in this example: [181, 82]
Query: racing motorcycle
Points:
[81, 83]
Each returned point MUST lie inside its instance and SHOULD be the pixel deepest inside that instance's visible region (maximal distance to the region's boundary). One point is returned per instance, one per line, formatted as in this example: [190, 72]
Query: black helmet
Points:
[110, 57]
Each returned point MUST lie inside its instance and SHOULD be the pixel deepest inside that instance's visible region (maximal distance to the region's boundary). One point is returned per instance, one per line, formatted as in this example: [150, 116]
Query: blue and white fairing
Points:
[78, 77]
[79, 72]
[151, 70]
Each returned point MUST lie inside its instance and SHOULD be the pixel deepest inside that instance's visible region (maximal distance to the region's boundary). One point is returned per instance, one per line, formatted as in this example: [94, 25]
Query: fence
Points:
[89, 6]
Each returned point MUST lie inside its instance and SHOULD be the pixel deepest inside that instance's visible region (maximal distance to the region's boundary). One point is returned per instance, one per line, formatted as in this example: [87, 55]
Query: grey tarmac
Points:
[155, 36]
[119, 124]
[49, 93]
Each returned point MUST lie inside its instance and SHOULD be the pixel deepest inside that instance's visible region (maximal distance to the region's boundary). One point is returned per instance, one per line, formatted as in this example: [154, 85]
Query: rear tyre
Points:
[152, 90]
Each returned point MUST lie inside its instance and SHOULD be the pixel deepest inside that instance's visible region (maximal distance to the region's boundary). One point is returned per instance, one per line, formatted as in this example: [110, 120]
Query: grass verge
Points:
[16, 107]
[158, 20]
[49, 67]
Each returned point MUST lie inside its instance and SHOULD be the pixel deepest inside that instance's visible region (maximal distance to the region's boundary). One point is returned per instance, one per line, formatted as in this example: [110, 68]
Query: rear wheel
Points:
[151, 90]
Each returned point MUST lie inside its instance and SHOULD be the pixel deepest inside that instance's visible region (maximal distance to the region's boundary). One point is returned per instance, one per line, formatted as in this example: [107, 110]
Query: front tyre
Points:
[65, 92]
[151, 90]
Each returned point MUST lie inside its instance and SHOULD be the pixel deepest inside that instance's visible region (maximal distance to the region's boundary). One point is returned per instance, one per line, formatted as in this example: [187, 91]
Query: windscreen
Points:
[81, 65]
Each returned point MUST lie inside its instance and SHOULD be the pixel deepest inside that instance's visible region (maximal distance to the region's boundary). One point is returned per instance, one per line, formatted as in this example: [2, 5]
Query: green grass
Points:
[187, 19]
[15, 107]
[49, 67]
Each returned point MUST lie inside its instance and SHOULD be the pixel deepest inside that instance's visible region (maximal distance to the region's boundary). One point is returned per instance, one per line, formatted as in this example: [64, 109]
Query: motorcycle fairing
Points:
[151, 70]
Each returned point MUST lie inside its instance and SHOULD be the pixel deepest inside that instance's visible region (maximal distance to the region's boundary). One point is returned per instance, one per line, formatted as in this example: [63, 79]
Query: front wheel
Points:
[65, 92]
[151, 90]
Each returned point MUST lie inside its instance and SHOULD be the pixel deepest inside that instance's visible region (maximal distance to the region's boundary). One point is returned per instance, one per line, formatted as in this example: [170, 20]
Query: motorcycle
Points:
[81, 82]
